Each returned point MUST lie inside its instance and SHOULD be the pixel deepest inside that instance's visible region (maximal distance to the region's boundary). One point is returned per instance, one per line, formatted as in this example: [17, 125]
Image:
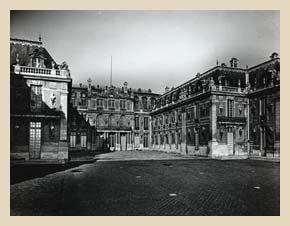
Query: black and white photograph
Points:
[145, 113]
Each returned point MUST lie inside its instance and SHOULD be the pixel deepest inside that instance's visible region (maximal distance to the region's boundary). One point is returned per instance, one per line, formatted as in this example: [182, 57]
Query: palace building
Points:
[39, 97]
[264, 100]
[120, 117]
[225, 111]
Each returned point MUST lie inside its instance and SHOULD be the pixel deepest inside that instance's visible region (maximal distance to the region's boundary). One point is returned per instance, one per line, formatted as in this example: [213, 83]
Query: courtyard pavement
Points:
[142, 155]
[119, 184]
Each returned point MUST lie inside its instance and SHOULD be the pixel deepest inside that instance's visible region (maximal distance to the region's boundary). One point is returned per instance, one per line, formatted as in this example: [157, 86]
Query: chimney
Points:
[166, 89]
[274, 56]
[125, 87]
[89, 85]
[234, 62]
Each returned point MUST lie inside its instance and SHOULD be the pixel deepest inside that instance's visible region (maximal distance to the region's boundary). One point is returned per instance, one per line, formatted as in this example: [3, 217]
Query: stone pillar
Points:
[261, 141]
[63, 143]
[118, 141]
[248, 126]
[63, 126]
[183, 132]
[196, 139]
[213, 117]
[213, 144]
[150, 132]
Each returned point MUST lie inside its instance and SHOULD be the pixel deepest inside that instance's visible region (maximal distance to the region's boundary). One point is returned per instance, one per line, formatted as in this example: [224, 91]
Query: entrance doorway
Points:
[230, 140]
[123, 143]
[34, 140]
[137, 141]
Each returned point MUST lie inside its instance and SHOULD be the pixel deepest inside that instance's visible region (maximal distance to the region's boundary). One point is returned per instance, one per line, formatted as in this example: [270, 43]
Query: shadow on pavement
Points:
[19, 173]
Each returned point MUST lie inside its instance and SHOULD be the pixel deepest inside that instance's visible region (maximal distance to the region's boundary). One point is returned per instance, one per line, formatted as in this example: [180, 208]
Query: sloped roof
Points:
[24, 48]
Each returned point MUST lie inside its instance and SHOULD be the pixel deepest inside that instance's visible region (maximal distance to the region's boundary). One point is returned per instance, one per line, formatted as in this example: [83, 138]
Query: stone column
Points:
[213, 144]
[63, 143]
[150, 132]
[248, 126]
[261, 141]
[183, 132]
[63, 126]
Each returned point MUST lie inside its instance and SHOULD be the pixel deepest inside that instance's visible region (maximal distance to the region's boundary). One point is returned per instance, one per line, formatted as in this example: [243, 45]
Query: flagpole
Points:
[111, 71]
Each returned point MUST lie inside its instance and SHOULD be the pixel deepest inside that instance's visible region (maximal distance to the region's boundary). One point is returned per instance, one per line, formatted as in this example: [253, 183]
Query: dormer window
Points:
[37, 59]
[35, 62]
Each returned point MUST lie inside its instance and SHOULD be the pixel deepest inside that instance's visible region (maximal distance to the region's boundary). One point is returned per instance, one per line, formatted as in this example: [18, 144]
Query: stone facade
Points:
[119, 116]
[210, 114]
[264, 98]
[225, 111]
[39, 90]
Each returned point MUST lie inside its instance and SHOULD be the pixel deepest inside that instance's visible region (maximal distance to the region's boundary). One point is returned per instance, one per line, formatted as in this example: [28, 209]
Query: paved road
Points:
[153, 187]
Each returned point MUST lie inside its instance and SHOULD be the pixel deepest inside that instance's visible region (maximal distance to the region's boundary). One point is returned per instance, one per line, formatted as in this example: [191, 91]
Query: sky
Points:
[150, 49]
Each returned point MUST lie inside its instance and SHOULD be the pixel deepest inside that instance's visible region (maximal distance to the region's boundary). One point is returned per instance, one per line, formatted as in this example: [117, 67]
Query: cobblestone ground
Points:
[141, 155]
[153, 187]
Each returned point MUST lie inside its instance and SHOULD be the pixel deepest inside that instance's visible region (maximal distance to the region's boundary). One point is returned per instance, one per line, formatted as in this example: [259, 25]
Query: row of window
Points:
[191, 113]
[111, 140]
[144, 103]
[103, 103]
[73, 140]
[137, 123]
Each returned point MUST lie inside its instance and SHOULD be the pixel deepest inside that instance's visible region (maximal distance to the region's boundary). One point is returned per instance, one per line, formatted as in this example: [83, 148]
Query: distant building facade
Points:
[120, 117]
[264, 99]
[39, 97]
[221, 112]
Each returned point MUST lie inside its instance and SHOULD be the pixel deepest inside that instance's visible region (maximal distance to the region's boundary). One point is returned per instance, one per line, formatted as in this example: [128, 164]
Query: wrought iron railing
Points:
[231, 119]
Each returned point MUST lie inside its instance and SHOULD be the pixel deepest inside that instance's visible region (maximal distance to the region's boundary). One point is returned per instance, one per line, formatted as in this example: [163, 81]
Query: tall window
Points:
[152, 102]
[100, 103]
[123, 105]
[166, 118]
[73, 99]
[36, 62]
[83, 100]
[36, 97]
[230, 107]
[128, 105]
[146, 122]
[179, 116]
[111, 103]
[173, 117]
[172, 137]
[263, 106]
[144, 102]
[188, 114]
[145, 140]
[136, 103]
[204, 110]
[166, 138]
[161, 120]
[35, 139]
[136, 122]
[84, 140]
[93, 103]
[161, 138]
[72, 139]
